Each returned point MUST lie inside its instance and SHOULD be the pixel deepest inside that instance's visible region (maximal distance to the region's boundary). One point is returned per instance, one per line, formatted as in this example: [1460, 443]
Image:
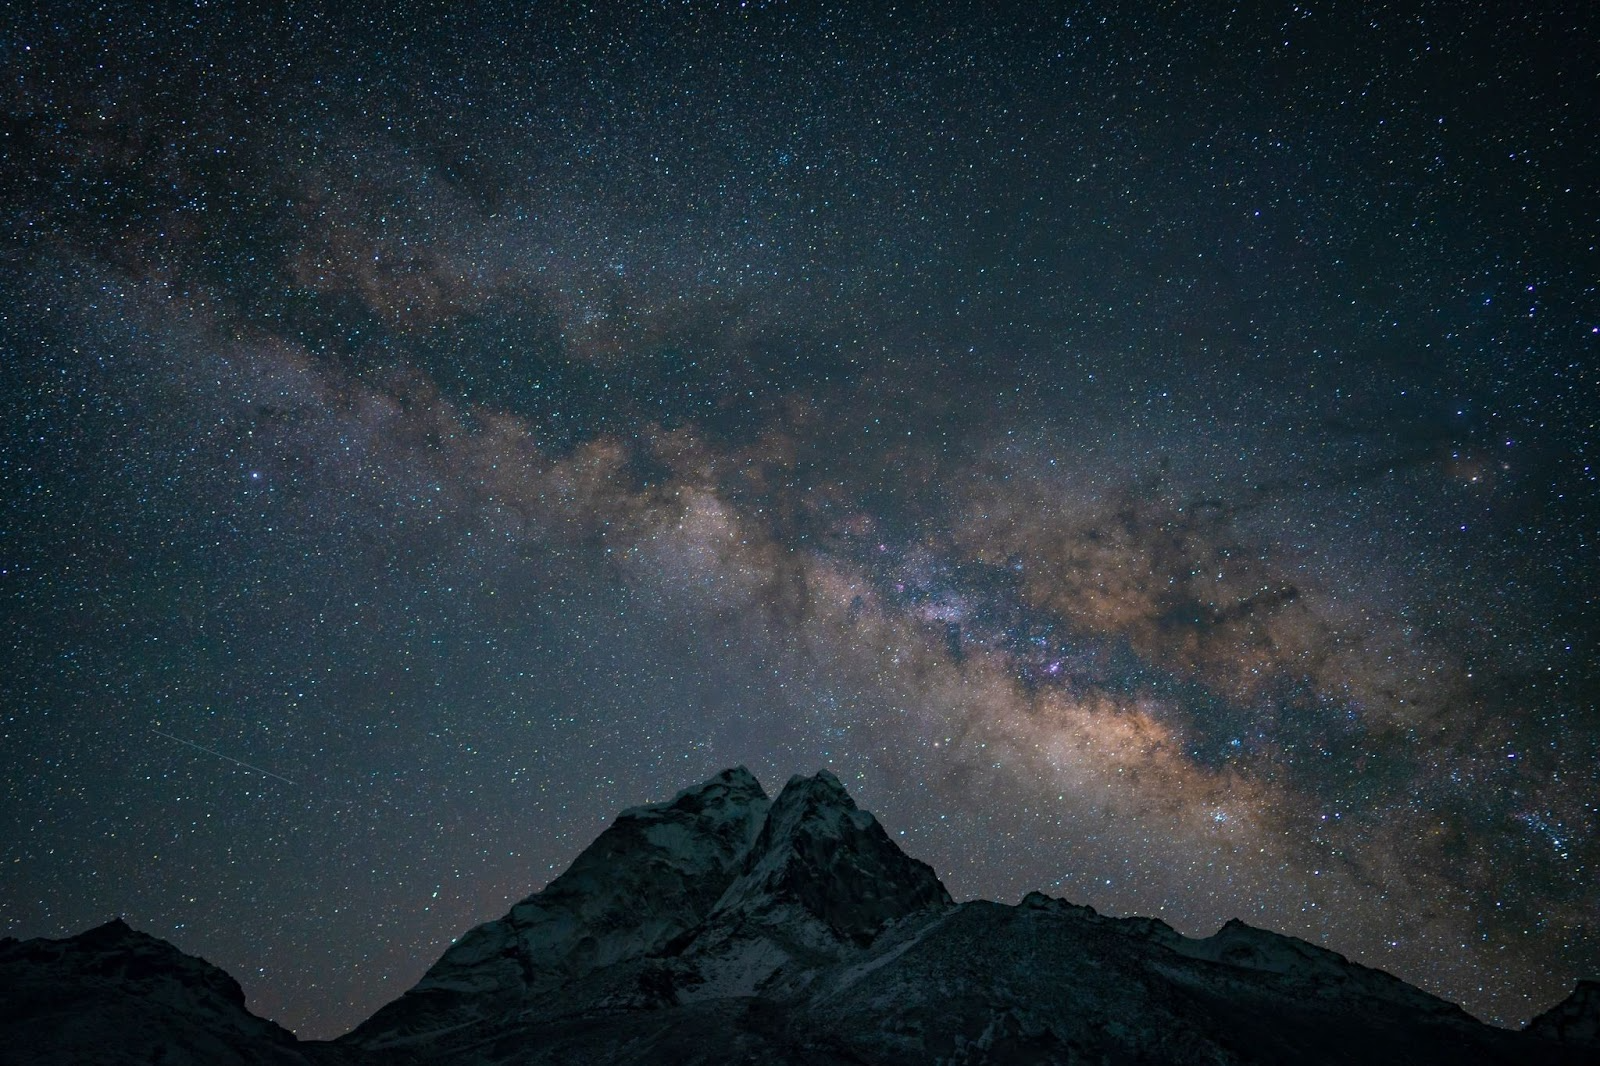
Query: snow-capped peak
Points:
[820, 853]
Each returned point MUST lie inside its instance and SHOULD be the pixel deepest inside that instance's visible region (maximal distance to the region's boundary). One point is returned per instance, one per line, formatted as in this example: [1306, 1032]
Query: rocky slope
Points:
[721, 927]
[650, 878]
[1575, 1020]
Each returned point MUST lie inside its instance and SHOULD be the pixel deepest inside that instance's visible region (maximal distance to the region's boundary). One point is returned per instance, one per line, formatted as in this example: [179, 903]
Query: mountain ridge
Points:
[722, 925]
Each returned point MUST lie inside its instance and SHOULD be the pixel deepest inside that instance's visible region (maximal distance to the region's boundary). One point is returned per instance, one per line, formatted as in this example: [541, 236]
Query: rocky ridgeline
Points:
[116, 995]
[725, 927]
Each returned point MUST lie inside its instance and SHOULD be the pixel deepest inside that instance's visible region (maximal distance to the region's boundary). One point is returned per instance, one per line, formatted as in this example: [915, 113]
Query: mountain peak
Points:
[112, 932]
[726, 794]
[115, 994]
[649, 878]
[822, 780]
[822, 855]
[1575, 1020]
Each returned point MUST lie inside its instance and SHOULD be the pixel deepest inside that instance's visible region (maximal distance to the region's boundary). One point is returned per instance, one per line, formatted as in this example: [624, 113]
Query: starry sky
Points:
[1147, 451]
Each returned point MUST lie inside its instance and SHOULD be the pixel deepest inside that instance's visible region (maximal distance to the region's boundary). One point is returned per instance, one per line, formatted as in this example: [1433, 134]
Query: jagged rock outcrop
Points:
[719, 927]
[819, 858]
[1575, 1020]
[820, 883]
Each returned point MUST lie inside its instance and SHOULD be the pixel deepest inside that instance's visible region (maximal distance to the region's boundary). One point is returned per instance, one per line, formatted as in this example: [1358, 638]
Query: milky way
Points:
[1147, 458]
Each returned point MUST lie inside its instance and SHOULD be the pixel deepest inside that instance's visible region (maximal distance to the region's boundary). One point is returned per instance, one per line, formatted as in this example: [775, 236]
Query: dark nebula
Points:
[1148, 456]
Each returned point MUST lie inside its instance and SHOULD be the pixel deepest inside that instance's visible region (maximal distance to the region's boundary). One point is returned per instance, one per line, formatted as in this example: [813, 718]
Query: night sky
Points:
[1149, 452]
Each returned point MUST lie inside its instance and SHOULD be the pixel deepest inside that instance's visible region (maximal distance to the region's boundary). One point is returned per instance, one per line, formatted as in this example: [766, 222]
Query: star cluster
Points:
[1147, 454]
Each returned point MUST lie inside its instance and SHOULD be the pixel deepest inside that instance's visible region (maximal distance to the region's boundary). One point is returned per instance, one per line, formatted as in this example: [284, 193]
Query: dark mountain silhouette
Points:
[724, 927]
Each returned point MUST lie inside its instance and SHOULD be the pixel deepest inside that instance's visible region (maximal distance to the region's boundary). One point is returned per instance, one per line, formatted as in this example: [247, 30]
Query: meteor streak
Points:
[218, 754]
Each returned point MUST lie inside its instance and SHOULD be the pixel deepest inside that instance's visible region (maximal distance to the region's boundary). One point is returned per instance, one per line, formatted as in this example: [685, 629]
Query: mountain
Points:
[722, 926]
[113, 994]
[1575, 1020]
[651, 878]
